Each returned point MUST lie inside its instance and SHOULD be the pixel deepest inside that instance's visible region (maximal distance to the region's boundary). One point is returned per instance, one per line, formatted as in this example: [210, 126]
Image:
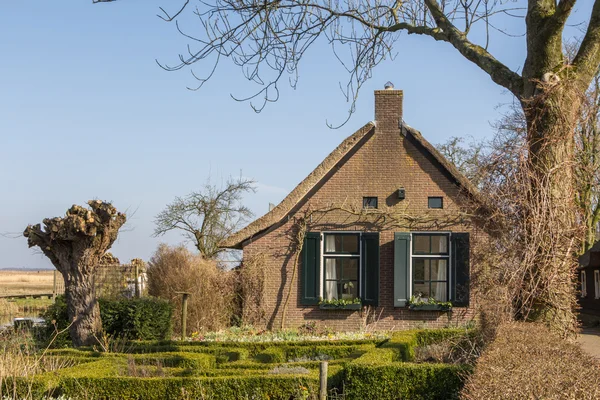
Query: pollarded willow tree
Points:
[268, 39]
[75, 244]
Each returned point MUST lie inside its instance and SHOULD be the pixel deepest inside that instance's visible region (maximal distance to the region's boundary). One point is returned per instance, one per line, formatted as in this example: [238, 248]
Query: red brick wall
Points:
[385, 161]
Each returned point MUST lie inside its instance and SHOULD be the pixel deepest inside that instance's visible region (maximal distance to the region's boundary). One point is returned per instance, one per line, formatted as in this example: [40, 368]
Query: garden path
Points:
[589, 339]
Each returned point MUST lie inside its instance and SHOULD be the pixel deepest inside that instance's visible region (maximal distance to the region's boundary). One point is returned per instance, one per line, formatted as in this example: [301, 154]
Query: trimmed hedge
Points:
[405, 342]
[271, 387]
[271, 355]
[177, 360]
[392, 381]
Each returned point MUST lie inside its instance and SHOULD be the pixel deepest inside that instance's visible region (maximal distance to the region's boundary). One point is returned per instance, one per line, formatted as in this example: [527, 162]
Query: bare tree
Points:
[75, 244]
[208, 216]
[468, 157]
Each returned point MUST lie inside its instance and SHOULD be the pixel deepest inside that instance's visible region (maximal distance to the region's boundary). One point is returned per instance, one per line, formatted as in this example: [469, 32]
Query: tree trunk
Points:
[82, 308]
[550, 212]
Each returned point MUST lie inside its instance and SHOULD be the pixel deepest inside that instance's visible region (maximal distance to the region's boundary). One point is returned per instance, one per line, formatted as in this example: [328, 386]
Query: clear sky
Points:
[86, 113]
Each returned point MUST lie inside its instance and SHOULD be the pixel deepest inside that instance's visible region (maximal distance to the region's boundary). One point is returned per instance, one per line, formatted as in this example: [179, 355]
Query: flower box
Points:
[429, 307]
[340, 307]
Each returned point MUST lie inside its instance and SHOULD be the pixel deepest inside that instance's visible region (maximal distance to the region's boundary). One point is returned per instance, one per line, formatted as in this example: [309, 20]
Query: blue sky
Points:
[85, 113]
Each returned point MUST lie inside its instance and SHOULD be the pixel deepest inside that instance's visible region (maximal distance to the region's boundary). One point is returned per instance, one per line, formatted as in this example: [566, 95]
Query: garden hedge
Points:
[392, 381]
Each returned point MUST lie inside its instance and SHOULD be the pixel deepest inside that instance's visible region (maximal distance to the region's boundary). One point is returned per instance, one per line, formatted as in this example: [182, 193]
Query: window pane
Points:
[438, 270]
[420, 270]
[330, 243]
[342, 243]
[350, 243]
[350, 270]
[331, 290]
[421, 244]
[439, 244]
[435, 202]
[438, 291]
[369, 202]
[421, 290]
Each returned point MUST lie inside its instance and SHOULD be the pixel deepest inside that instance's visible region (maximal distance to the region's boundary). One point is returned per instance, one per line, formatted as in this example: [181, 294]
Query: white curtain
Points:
[331, 288]
[329, 243]
[441, 288]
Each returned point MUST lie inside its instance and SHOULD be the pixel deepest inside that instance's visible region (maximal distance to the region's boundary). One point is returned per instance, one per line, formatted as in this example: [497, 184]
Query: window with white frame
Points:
[341, 258]
[597, 284]
[583, 284]
[430, 265]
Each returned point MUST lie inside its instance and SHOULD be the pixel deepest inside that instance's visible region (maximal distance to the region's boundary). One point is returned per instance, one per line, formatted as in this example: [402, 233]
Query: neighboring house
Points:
[385, 218]
[589, 280]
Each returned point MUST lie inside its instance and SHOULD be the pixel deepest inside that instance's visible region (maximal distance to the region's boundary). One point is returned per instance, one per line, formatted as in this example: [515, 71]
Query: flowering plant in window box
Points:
[418, 303]
[340, 304]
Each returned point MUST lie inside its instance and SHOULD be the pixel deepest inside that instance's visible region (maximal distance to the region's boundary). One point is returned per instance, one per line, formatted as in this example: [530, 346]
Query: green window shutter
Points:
[401, 268]
[459, 292]
[370, 269]
[311, 260]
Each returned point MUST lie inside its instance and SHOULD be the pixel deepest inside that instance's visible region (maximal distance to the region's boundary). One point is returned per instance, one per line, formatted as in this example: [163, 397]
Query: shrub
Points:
[271, 355]
[145, 318]
[273, 387]
[56, 320]
[528, 361]
[175, 269]
[393, 381]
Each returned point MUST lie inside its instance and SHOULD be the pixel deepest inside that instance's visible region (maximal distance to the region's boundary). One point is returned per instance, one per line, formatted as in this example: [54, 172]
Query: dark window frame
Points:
[440, 198]
[366, 201]
[430, 281]
[414, 243]
[325, 252]
[431, 256]
[340, 281]
[341, 255]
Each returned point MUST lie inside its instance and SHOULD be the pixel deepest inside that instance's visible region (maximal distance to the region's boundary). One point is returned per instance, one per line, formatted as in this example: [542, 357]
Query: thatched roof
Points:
[298, 194]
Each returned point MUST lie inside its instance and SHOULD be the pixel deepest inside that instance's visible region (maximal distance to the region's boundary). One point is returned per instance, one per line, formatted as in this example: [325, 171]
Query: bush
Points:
[175, 269]
[403, 381]
[273, 387]
[406, 342]
[271, 355]
[144, 318]
[56, 320]
[528, 361]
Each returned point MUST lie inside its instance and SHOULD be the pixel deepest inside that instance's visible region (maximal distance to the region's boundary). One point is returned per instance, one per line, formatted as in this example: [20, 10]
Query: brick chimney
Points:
[388, 109]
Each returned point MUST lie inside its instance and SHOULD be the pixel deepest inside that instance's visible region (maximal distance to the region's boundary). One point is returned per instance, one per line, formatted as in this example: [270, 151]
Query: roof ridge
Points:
[298, 193]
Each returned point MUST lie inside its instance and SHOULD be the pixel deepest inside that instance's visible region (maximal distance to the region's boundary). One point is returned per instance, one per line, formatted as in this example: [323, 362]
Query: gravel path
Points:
[589, 338]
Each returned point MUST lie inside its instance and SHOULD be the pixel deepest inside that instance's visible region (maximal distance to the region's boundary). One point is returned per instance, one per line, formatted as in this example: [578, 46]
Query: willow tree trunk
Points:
[82, 308]
[75, 244]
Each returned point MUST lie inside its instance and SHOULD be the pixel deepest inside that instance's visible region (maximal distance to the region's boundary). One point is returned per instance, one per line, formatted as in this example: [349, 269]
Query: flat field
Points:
[14, 282]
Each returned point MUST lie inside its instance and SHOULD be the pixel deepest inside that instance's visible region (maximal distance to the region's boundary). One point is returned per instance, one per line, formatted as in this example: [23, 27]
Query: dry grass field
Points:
[26, 282]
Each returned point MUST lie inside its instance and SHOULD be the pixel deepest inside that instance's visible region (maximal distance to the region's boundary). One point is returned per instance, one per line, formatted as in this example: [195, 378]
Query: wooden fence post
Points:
[184, 301]
[323, 380]
[54, 287]
[137, 277]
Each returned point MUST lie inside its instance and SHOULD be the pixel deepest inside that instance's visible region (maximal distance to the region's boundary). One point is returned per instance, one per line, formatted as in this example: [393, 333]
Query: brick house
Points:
[589, 281]
[385, 217]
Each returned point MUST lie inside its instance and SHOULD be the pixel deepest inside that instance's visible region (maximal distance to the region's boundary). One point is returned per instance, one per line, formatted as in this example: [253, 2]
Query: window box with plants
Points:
[417, 303]
[340, 304]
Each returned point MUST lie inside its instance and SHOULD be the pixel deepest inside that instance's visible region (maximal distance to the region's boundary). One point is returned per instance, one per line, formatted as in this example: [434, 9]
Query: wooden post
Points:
[323, 381]
[54, 286]
[184, 301]
[137, 277]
